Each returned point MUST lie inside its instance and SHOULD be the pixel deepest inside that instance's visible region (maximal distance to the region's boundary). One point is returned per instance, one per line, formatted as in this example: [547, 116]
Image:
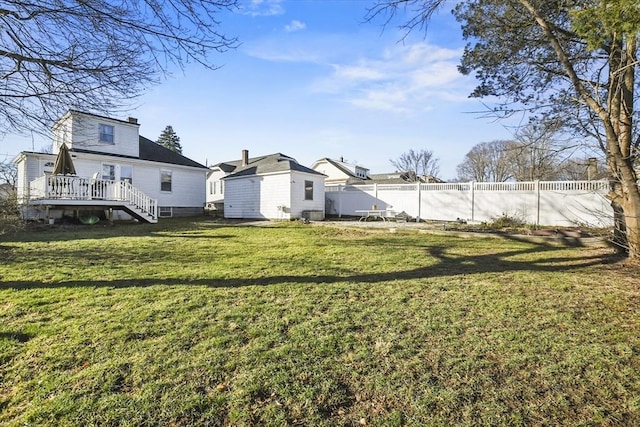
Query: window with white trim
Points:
[48, 166]
[108, 172]
[308, 190]
[126, 173]
[165, 211]
[106, 133]
[165, 180]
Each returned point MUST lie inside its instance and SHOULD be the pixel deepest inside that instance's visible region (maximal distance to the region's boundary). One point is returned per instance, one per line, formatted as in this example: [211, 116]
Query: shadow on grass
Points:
[15, 336]
[548, 259]
[38, 232]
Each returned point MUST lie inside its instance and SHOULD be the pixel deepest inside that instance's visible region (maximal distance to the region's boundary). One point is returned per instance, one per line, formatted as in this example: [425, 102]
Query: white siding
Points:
[83, 131]
[334, 175]
[278, 196]
[298, 202]
[214, 181]
[258, 197]
[187, 184]
[30, 167]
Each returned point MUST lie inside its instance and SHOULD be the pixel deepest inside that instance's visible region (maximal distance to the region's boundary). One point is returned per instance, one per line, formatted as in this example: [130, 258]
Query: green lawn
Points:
[202, 323]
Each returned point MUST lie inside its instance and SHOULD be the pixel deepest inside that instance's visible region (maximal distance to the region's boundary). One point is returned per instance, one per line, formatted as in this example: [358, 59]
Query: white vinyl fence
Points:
[551, 203]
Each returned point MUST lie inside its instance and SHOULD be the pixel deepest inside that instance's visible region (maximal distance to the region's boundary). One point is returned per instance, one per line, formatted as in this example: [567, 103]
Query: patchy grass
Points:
[200, 323]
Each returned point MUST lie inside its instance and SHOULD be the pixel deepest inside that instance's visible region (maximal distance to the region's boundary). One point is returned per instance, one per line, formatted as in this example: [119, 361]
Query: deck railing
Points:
[60, 187]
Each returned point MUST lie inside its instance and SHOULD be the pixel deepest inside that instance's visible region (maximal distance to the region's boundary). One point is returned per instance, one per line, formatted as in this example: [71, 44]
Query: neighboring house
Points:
[215, 184]
[275, 186]
[340, 172]
[116, 170]
[401, 178]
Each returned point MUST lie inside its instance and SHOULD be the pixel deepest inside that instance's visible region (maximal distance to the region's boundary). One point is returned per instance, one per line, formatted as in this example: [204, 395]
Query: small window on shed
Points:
[308, 190]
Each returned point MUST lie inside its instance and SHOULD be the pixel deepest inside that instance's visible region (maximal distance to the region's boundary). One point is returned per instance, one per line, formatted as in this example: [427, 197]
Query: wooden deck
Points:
[85, 193]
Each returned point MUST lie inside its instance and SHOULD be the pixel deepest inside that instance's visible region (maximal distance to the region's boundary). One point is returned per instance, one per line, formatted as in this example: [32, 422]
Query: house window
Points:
[106, 133]
[308, 190]
[108, 172]
[165, 180]
[216, 187]
[165, 211]
[126, 173]
[48, 166]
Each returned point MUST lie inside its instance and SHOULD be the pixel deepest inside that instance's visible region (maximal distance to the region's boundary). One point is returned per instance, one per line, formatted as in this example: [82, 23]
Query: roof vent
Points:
[133, 120]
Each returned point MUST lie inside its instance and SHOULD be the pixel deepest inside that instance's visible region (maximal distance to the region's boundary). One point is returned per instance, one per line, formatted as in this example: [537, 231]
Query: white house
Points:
[341, 172]
[275, 186]
[215, 184]
[116, 170]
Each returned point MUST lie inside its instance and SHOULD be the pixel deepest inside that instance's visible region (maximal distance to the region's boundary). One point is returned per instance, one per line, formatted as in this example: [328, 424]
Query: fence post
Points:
[472, 188]
[375, 192]
[339, 200]
[419, 201]
[537, 188]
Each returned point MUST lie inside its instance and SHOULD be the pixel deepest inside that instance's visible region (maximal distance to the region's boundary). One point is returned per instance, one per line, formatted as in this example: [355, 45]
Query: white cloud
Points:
[304, 49]
[360, 72]
[262, 7]
[294, 26]
[409, 78]
[293, 54]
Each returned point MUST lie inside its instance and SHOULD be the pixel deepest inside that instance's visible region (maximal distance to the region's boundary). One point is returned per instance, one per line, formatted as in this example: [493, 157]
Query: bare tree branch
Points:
[97, 55]
[417, 165]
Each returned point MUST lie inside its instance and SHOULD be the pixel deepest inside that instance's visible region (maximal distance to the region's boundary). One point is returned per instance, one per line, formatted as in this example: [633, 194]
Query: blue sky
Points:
[312, 80]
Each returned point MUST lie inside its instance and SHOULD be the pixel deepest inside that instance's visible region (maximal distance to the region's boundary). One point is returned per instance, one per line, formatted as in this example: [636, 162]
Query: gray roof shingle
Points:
[152, 152]
[271, 163]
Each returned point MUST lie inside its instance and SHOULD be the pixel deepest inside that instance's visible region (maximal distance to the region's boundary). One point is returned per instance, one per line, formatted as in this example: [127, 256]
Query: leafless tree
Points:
[8, 173]
[540, 152]
[487, 162]
[96, 55]
[9, 214]
[417, 165]
[583, 169]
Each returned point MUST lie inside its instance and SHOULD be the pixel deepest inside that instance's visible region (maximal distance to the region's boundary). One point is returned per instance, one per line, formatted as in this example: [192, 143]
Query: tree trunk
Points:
[625, 201]
[631, 207]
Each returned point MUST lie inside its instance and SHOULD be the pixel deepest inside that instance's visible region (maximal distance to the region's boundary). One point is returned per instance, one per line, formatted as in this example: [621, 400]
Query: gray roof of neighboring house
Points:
[400, 178]
[271, 163]
[151, 152]
[389, 178]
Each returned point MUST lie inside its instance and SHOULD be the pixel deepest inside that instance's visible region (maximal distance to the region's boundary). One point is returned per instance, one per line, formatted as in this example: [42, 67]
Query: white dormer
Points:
[361, 172]
[97, 133]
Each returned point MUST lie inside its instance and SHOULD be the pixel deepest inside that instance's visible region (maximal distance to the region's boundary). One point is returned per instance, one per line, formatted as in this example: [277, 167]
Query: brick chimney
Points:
[245, 157]
[133, 120]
